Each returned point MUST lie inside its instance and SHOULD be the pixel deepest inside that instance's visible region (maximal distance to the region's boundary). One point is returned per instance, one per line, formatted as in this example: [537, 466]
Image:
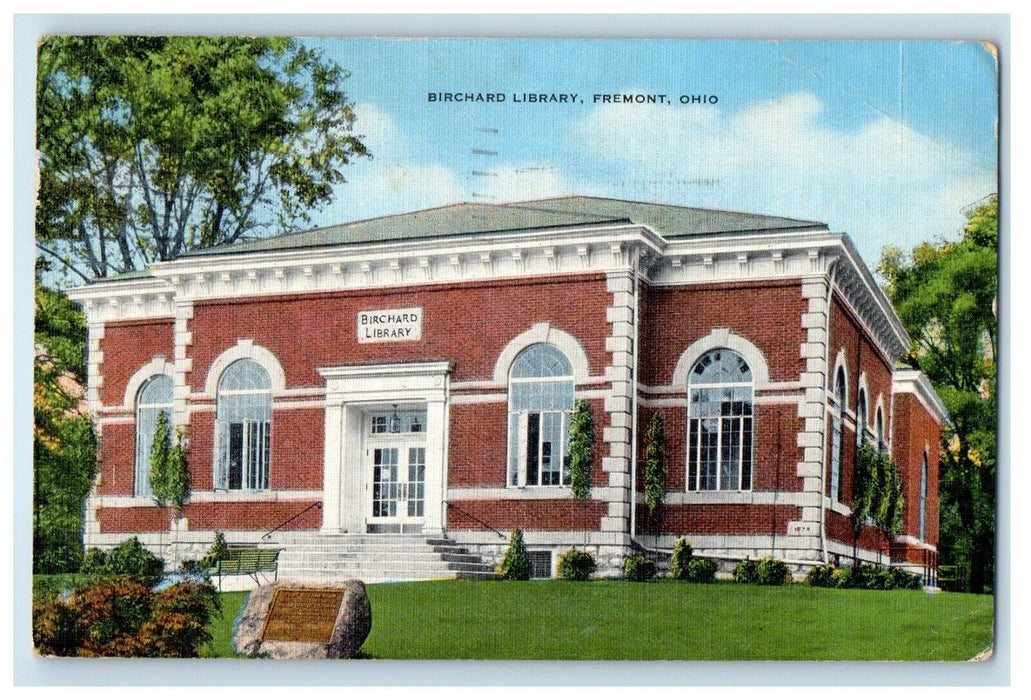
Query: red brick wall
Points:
[116, 459]
[915, 430]
[478, 445]
[861, 356]
[724, 519]
[127, 346]
[526, 514]
[775, 451]
[213, 516]
[839, 528]
[469, 323]
[768, 314]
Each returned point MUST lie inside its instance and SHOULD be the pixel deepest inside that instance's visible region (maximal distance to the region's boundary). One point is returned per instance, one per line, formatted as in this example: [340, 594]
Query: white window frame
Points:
[837, 434]
[692, 386]
[256, 467]
[144, 435]
[516, 475]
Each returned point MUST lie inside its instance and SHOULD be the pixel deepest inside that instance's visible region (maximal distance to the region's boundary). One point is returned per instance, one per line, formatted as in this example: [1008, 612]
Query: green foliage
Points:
[863, 576]
[681, 560]
[581, 449]
[655, 463]
[130, 559]
[865, 477]
[515, 566]
[154, 146]
[216, 552]
[701, 570]
[64, 444]
[772, 572]
[945, 294]
[576, 565]
[122, 617]
[169, 472]
[823, 576]
[638, 568]
[745, 571]
[765, 572]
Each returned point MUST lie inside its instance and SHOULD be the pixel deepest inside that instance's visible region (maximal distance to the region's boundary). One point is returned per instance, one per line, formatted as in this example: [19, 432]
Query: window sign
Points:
[390, 325]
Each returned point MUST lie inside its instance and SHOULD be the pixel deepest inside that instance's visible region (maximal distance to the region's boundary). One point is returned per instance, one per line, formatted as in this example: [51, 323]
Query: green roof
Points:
[470, 218]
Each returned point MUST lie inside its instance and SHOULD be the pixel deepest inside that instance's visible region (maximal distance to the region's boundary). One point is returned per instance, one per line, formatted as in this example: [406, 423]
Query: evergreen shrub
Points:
[701, 570]
[772, 572]
[516, 564]
[576, 565]
[638, 568]
[682, 554]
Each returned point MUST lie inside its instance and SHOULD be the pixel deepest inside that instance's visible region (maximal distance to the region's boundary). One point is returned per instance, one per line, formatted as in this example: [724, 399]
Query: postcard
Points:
[532, 349]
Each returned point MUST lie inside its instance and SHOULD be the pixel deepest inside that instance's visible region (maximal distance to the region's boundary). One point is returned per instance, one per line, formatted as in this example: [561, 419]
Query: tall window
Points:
[923, 499]
[243, 416]
[881, 446]
[861, 419]
[154, 397]
[720, 423]
[540, 404]
[839, 393]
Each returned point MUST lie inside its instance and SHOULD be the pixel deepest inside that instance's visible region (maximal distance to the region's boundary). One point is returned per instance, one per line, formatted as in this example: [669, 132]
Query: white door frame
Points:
[353, 390]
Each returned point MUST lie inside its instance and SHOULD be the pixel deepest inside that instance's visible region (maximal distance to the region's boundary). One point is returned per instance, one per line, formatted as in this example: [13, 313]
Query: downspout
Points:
[827, 409]
[633, 406]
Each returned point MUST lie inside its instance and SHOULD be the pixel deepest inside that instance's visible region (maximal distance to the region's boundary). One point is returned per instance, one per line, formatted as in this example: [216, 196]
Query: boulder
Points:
[307, 621]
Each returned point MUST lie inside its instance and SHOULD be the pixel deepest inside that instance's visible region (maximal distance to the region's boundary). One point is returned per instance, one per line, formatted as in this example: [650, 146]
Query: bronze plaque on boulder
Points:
[302, 620]
[302, 615]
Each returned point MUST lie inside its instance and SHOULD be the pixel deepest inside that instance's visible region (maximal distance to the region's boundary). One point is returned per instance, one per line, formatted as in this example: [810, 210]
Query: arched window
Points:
[840, 396]
[243, 416]
[153, 398]
[540, 404]
[923, 499]
[719, 423]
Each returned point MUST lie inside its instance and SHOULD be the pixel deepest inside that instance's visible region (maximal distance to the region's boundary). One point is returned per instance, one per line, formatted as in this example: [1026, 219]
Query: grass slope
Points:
[661, 620]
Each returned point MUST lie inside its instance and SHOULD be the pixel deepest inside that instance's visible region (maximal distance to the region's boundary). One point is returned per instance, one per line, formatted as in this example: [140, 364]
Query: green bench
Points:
[244, 560]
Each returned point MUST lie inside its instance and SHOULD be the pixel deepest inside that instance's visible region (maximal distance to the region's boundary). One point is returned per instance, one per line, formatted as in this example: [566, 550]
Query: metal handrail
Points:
[481, 522]
[316, 504]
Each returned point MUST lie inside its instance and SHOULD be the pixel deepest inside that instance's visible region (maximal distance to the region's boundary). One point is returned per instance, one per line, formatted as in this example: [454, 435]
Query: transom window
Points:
[720, 423]
[398, 422]
[154, 397]
[243, 416]
[540, 404]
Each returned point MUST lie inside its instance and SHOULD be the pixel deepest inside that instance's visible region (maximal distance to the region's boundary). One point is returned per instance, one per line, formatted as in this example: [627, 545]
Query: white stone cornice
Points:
[911, 381]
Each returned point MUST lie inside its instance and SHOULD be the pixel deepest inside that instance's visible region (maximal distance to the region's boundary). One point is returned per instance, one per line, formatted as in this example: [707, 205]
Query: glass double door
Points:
[398, 483]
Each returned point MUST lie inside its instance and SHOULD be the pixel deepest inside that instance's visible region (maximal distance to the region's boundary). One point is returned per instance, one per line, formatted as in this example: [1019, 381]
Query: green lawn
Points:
[666, 619]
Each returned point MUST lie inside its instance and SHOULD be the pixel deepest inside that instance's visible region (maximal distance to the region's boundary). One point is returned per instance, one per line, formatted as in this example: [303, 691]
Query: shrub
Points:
[56, 629]
[576, 565]
[682, 553]
[772, 572]
[872, 578]
[823, 576]
[701, 570]
[129, 559]
[638, 568]
[516, 564]
[122, 617]
[745, 572]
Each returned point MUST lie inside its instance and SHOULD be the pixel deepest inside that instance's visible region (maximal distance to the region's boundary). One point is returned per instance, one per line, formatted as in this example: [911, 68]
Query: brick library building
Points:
[389, 399]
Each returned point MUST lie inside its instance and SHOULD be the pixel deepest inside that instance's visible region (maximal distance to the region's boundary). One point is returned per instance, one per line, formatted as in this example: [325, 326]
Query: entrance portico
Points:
[386, 447]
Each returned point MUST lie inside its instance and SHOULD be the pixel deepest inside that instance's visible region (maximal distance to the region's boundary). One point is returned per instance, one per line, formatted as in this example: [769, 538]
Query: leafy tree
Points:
[154, 146]
[946, 295]
[64, 445]
[655, 463]
[169, 472]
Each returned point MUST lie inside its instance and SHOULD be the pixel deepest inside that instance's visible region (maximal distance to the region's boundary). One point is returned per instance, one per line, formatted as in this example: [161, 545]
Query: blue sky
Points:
[887, 141]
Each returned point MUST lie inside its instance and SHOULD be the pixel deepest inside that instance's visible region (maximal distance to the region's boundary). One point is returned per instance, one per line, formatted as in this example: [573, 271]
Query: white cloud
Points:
[883, 183]
[390, 181]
